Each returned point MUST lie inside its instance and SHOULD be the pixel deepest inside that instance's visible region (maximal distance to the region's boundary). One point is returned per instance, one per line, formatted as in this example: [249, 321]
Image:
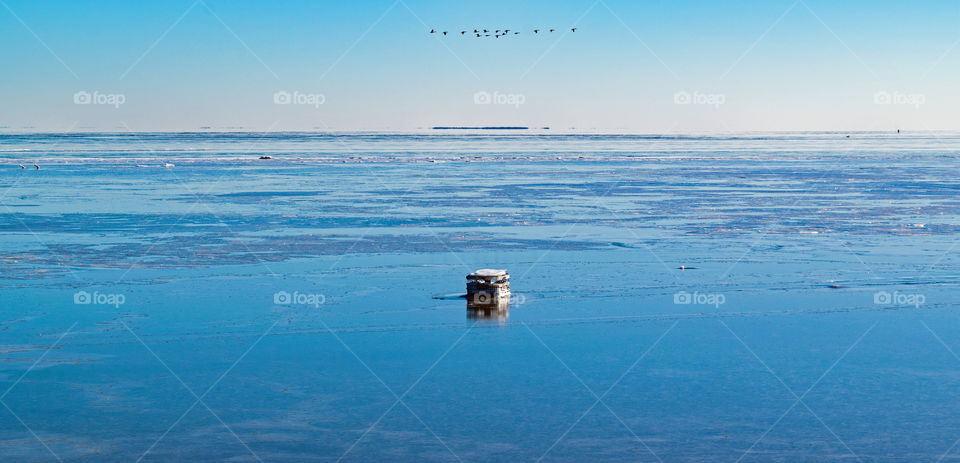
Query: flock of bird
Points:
[497, 33]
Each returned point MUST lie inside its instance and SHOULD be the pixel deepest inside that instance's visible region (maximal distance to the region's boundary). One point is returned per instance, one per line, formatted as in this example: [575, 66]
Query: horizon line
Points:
[472, 130]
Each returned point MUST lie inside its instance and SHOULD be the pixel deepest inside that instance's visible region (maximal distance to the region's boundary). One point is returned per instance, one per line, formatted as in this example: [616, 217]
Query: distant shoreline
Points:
[480, 128]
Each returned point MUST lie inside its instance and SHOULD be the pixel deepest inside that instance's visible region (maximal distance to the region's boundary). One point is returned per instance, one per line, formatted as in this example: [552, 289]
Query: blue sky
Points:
[748, 65]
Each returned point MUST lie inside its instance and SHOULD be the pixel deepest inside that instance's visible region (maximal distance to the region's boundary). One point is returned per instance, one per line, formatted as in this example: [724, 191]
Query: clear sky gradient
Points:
[745, 65]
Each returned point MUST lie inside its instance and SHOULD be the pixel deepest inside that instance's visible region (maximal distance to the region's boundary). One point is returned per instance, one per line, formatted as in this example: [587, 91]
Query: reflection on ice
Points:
[488, 309]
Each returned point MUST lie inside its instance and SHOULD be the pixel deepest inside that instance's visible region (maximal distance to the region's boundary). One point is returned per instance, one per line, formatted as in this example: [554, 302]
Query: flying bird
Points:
[496, 33]
[38, 167]
[21, 166]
